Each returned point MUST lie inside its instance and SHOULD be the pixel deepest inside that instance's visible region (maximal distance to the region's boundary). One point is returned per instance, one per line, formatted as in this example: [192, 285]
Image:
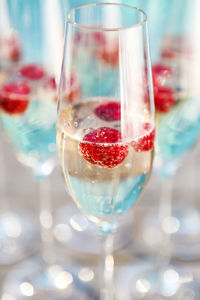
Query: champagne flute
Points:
[28, 101]
[17, 225]
[105, 139]
[177, 106]
[67, 217]
[176, 93]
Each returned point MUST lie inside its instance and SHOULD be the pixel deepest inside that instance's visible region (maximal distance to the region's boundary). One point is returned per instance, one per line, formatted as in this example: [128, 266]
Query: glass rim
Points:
[106, 28]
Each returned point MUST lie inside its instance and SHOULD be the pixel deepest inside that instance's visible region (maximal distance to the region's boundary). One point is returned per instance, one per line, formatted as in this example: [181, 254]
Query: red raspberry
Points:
[73, 95]
[78, 37]
[99, 38]
[72, 92]
[168, 53]
[146, 142]
[32, 72]
[176, 45]
[11, 45]
[160, 72]
[109, 56]
[171, 53]
[15, 54]
[110, 111]
[50, 83]
[14, 97]
[101, 147]
[92, 39]
[164, 99]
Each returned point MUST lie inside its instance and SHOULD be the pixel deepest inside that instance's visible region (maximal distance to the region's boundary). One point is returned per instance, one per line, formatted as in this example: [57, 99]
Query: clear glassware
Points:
[18, 227]
[68, 218]
[178, 120]
[80, 228]
[72, 228]
[172, 231]
[28, 115]
[105, 138]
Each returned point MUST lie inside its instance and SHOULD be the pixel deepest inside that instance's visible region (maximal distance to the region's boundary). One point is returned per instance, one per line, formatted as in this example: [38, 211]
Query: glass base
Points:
[184, 230]
[146, 280]
[73, 230]
[17, 233]
[38, 280]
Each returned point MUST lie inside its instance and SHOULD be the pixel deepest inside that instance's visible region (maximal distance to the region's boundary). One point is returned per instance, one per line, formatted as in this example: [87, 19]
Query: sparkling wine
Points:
[28, 115]
[177, 112]
[104, 178]
[33, 132]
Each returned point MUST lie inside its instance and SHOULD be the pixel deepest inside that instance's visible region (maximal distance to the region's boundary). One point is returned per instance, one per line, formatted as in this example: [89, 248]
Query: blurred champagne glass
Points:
[17, 226]
[177, 103]
[178, 118]
[29, 112]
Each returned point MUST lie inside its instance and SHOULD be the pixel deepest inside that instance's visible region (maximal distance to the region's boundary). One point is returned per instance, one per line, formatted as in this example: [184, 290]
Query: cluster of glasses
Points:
[109, 111]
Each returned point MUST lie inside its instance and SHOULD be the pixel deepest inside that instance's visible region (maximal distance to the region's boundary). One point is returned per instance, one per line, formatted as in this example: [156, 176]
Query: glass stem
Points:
[4, 200]
[192, 178]
[107, 268]
[165, 219]
[46, 221]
